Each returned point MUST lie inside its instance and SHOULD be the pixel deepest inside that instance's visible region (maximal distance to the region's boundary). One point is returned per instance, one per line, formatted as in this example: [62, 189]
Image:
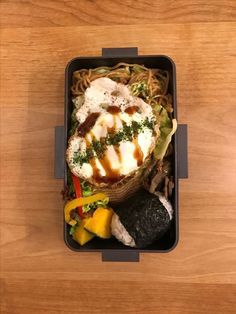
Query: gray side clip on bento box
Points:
[111, 249]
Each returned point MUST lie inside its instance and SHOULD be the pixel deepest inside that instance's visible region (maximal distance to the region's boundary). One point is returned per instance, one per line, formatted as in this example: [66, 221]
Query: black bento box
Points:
[111, 249]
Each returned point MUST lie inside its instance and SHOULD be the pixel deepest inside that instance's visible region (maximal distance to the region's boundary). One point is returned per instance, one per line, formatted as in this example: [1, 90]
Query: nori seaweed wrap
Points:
[145, 218]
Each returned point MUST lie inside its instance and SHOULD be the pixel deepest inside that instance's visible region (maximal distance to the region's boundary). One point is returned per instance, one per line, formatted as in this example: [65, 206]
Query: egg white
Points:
[96, 98]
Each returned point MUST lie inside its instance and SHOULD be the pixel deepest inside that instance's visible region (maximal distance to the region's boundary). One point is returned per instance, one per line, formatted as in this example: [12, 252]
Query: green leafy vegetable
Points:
[95, 205]
[72, 229]
[137, 69]
[162, 116]
[87, 190]
[73, 115]
[102, 71]
[164, 140]
[70, 184]
[78, 101]
[139, 88]
[168, 127]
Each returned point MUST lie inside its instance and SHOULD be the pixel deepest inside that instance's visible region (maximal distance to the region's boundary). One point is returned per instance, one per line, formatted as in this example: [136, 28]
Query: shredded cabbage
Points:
[87, 190]
[102, 71]
[95, 205]
[139, 88]
[164, 139]
[78, 101]
[137, 69]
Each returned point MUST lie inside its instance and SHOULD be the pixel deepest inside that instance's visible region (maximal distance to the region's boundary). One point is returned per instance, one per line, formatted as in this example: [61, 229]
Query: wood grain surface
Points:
[38, 273]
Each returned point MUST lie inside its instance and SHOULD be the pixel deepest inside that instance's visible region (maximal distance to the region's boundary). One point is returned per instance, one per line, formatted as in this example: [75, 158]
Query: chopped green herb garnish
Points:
[99, 147]
[115, 138]
[126, 134]
[148, 124]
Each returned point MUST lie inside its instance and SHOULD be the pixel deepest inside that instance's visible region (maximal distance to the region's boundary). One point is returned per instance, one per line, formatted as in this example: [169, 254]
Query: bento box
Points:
[111, 249]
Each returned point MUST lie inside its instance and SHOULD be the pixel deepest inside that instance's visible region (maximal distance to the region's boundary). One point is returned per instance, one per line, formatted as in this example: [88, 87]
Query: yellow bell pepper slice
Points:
[77, 202]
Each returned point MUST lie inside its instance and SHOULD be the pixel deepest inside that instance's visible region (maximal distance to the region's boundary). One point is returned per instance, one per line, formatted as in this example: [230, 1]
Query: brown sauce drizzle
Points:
[111, 130]
[131, 110]
[118, 153]
[138, 154]
[112, 175]
[92, 162]
[96, 172]
[87, 142]
[115, 122]
[113, 109]
[87, 125]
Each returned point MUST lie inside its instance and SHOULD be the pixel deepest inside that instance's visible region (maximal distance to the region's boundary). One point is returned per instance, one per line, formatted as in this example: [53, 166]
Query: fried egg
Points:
[116, 134]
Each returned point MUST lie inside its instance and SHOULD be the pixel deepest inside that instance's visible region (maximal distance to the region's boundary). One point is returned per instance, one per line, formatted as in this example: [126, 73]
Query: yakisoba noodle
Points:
[156, 81]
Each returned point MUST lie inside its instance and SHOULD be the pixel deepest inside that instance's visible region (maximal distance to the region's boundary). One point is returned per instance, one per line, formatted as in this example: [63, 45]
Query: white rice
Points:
[119, 231]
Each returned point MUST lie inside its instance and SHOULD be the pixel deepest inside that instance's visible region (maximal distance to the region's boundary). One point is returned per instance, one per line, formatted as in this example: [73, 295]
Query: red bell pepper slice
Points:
[78, 192]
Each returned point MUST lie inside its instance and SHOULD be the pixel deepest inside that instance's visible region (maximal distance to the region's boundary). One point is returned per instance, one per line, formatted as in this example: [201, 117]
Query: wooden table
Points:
[38, 272]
